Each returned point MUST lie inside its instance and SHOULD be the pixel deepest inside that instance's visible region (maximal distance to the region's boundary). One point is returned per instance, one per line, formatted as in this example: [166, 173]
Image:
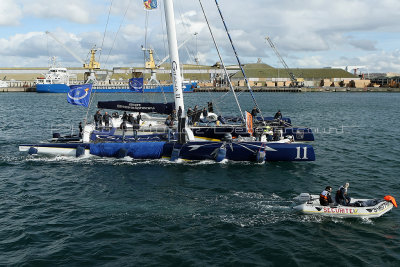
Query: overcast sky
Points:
[308, 34]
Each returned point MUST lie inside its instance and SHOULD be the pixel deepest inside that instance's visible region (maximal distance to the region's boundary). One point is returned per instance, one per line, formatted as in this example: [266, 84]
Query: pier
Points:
[298, 90]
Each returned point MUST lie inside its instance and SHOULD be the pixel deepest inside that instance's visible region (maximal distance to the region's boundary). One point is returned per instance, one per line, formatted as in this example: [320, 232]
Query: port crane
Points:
[91, 66]
[295, 82]
[150, 64]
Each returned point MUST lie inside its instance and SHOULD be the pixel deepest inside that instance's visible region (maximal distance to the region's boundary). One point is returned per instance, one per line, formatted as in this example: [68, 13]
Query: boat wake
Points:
[127, 160]
[256, 209]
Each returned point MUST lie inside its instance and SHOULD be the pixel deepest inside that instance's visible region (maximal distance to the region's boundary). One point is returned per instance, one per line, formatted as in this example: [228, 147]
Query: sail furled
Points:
[79, 94]
[150, 4]
[161, 108]
[249, 122]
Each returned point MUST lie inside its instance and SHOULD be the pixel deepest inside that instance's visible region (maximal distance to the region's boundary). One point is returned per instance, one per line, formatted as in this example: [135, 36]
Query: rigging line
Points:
[222, 62]
[238, 60]
[115, 38]
[105, 30]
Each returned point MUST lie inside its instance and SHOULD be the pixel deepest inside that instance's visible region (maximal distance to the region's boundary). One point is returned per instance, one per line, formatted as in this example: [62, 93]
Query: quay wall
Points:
[245, 89]
[303, 89]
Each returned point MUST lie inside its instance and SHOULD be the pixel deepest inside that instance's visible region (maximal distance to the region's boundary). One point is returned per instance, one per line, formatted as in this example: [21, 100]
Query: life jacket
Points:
[324, 196]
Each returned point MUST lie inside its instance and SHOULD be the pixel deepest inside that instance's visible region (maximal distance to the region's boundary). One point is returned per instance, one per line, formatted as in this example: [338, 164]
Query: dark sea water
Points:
[60, 211]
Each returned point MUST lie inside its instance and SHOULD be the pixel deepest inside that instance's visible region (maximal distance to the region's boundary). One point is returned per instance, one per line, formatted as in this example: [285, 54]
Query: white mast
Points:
[173, 51]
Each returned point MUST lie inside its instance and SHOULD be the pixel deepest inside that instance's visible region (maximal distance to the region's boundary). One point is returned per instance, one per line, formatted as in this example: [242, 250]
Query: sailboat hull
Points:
[236, 151]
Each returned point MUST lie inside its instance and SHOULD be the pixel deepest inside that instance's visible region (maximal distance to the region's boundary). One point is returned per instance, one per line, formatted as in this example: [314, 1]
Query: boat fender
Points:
[391, 199]
[32, 151]
[260, 156]
[221, 155]
[122, 153]
[80, 151]
[175, 154]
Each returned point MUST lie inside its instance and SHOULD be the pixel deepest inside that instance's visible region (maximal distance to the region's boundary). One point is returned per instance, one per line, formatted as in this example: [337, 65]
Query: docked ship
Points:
[58, 79]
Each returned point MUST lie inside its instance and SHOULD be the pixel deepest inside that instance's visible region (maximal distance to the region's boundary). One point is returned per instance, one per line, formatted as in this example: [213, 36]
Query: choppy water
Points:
[95, 212]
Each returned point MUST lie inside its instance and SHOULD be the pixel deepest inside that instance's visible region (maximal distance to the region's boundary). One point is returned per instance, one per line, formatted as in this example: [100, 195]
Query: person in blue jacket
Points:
[342, 197]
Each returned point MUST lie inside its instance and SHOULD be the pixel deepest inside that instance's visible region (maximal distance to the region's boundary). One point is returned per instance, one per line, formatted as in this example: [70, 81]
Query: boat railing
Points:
[63, 129]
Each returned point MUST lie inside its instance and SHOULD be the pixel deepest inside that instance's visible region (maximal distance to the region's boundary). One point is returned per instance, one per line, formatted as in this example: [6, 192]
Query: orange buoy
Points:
[391, 199]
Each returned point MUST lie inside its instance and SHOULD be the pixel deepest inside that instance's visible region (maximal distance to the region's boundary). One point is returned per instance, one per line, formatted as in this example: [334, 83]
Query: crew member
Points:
[124, 116]
[189, 115]
[325, 197]
[278, 115]
[341, 195]
[205, 113]
[106, 119]
[124, 128]
[80, 129]
[268, 132]
[169, 122]
[138, 118]
[97, 119]
[254, 113]
[173, 115]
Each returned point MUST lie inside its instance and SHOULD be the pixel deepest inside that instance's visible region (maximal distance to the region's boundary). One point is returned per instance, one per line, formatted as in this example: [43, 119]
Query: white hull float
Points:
[358, 208]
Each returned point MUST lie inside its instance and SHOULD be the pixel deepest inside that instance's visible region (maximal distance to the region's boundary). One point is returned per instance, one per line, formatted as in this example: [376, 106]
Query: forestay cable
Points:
[222, 62]
[238, 60]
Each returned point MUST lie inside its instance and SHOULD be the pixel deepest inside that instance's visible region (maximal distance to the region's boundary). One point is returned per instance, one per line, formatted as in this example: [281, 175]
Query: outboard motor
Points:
[303, 197]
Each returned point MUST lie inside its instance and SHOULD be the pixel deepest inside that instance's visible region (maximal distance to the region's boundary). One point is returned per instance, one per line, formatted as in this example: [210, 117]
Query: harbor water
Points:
[63, 211]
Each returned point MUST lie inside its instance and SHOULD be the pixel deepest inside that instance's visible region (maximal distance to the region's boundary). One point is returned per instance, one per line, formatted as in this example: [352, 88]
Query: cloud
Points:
[366, 45]
[10, 13]
[315, 33]
[82, 12]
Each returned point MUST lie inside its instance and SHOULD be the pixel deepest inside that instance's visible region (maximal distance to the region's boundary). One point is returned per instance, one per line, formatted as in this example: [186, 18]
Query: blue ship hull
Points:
[236, 151]
[63, 88]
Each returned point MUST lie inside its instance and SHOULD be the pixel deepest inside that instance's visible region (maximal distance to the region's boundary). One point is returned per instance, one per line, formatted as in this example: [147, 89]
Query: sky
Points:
[307, 34]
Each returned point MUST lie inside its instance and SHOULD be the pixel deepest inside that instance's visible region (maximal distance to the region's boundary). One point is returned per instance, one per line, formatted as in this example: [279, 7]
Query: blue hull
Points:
[52, 88]
[242, 151]
[62, 88]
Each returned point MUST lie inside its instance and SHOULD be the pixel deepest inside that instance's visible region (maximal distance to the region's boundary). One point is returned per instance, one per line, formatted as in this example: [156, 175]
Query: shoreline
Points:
[256, 89]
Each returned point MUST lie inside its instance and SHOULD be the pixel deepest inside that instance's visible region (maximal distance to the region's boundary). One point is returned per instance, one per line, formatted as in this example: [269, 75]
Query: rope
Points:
[115, 38]
[238, 60]
[222, 62]
[105, 30]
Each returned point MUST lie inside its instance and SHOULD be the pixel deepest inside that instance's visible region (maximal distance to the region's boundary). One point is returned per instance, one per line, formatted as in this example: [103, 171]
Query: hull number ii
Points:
[298, 156]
